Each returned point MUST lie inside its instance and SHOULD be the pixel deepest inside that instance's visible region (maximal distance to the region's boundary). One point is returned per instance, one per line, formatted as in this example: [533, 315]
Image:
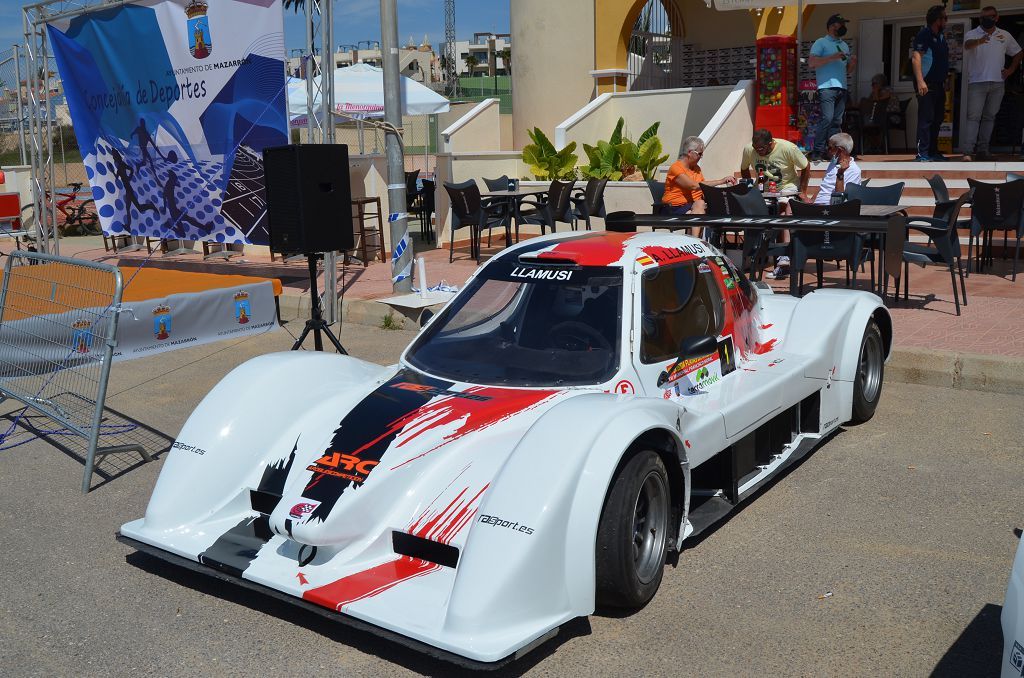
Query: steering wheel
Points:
[573, 335]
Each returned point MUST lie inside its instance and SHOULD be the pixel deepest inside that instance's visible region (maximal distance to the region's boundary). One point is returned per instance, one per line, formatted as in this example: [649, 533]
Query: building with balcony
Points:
[487, 49]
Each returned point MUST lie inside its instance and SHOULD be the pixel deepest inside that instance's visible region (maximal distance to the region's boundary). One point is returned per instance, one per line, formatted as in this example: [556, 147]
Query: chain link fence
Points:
[478, 88]
[419, 135]
[13, 150]
[14, 147]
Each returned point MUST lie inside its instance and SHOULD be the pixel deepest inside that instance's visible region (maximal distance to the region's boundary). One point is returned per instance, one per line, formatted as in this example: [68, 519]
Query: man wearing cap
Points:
[831, 60]
[986, 47]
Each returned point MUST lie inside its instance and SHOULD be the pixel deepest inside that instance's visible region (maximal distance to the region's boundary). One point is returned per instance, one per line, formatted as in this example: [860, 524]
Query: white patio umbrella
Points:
[359, 93]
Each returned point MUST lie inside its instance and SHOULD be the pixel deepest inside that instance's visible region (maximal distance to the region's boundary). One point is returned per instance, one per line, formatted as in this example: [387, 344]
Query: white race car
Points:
[1012, 619]
[587, 402]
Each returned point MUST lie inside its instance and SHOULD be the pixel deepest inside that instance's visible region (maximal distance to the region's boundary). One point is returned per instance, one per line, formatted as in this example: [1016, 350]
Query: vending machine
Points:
[777, 87]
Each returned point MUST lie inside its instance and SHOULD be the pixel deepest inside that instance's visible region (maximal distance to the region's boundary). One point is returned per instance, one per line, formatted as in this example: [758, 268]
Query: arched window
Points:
[655, 40]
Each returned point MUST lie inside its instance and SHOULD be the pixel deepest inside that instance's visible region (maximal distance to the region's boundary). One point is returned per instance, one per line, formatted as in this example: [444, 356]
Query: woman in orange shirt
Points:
[682, 185]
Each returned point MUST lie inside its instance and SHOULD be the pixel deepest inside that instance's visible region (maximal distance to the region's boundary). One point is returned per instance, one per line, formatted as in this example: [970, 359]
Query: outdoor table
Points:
[772, 198]
[511, 199]
[887, 222]
[882, 211]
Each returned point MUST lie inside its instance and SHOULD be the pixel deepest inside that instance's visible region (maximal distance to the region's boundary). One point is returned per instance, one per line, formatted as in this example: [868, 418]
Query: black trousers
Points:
[930, 111]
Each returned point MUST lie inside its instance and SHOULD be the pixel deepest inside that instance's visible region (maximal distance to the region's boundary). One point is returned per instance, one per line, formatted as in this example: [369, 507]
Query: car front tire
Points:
[632, 537]
[867, 387]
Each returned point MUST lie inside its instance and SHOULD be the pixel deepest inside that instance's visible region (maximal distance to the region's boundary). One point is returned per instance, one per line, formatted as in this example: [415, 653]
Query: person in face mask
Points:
[831, 60]
[986, 49]
[930, 59]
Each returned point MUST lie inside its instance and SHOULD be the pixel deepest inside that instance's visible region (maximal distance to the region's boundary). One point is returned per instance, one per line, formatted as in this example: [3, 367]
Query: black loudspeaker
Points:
[309, 201]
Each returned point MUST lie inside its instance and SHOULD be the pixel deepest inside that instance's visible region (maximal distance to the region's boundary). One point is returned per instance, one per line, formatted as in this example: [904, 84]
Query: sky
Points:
[354, 20]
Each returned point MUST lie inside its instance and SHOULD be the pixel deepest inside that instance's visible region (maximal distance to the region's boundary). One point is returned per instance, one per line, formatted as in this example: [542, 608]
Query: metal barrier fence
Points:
[58, 322]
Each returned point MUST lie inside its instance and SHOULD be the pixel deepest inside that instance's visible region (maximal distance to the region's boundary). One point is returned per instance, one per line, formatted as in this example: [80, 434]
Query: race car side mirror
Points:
[690, 347]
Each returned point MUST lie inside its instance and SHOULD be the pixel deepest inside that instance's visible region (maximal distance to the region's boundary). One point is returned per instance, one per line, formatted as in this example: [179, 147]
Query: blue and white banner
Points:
[173, 102]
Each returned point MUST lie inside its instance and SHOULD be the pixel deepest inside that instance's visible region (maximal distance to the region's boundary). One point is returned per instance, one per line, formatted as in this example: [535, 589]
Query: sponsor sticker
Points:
[495, 521]
[185, 447]
[624, 386]
[344, 466]
[435, 391]
[1017, 657]
[689, 366]
[302, 509]
[541, 273]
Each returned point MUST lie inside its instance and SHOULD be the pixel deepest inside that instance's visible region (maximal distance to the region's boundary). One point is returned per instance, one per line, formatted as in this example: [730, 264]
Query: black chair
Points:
[657, 193]
[716, 204]
[412, 192]
[427, 210]
[943, 203]
[945, 247]
[898, 121]
[822, 245]
[468, 210]
[758, 245]
[874, 120]
[939, 188]
[874, 195]
[588, 203]
[548, 209]
[995, 207]
[499, 184]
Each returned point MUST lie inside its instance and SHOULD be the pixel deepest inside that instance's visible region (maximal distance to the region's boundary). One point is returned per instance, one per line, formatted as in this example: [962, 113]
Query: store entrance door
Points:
[1009, 123]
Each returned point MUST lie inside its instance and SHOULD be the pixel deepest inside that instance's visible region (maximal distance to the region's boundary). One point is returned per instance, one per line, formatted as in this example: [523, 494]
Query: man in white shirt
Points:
[986, 48]
[842, 170]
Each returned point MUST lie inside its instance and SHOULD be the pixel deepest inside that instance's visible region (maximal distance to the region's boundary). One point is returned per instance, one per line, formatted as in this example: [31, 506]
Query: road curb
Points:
[964, 371]
[947, 369]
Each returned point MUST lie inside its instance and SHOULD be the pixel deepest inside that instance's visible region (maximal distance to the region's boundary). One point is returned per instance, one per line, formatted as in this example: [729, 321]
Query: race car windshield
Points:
[522, 325]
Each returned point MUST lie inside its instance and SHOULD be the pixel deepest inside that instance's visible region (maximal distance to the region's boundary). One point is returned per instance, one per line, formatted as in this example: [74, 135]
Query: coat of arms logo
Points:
[162, 321]
[243, 311]
[200, 41]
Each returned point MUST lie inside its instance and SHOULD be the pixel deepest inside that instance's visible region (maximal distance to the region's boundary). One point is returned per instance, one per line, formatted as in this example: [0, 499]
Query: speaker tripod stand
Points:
[316, 323]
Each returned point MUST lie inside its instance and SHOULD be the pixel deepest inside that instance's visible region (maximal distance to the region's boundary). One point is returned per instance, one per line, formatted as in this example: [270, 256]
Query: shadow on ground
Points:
[978, 651]
[339, 632]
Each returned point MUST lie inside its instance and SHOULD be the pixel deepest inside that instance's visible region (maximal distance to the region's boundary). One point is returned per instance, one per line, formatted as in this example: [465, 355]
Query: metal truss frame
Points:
[320, 123]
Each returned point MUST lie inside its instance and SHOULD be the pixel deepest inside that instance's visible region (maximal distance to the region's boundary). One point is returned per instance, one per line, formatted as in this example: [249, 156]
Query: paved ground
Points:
[908, 521]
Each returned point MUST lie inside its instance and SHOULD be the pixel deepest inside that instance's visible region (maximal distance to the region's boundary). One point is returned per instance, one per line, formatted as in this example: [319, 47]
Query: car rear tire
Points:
[867, 387]
[632, 537]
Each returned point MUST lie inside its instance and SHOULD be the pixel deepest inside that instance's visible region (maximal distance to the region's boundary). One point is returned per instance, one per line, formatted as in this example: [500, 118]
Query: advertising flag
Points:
[173, 102]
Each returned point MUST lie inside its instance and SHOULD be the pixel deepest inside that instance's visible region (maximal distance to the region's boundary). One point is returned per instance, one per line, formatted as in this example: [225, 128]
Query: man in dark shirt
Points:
[930, 58]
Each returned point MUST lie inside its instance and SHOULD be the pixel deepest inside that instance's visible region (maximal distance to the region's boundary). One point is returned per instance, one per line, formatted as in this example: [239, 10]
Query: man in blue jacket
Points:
[930, 59]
